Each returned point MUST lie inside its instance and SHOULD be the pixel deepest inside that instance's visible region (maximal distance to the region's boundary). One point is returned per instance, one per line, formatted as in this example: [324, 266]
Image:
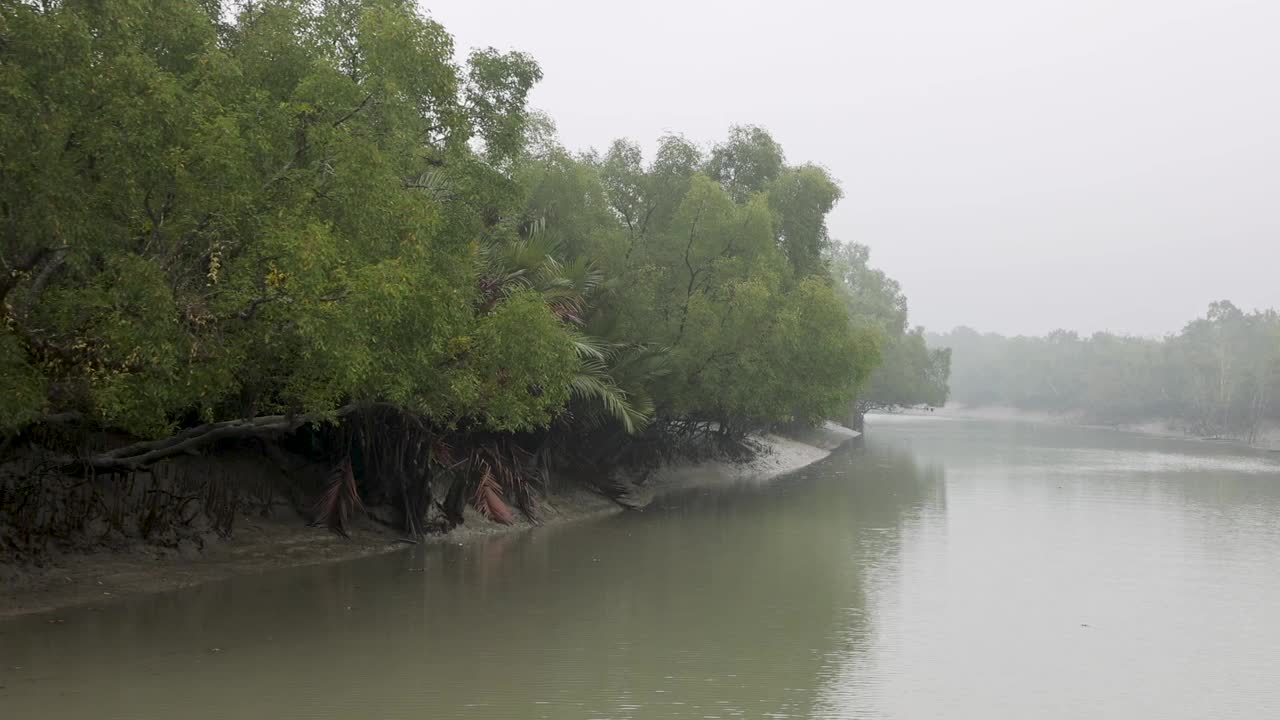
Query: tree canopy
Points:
[1219, 376]
[911, 373]
[211, 212]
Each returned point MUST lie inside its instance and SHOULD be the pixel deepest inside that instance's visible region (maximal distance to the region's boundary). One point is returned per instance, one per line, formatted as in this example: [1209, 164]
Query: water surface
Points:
[941, 569]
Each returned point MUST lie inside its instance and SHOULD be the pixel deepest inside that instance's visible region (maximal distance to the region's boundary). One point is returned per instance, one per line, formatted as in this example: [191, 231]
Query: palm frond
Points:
[638, 365]
[487, 499]
[441, 453]
[531, 253]
[434, 184]
[590, 348]
[548, 272]
[339, 500]
[566, 303]
[583, 275]
[592, 385]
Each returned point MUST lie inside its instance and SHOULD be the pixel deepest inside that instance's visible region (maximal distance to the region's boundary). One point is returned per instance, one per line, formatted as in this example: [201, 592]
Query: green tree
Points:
[228, 221]
[746, 163]
[801, 198]
[249, 218]
[911, 373]
[1219, 376]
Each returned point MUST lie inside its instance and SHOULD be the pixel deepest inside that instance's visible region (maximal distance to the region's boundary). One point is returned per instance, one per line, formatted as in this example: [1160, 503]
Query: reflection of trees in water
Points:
[745, 595]
[739, 595]
[1177, 506]
[898, 493]
[1100, 463]
[724, 600]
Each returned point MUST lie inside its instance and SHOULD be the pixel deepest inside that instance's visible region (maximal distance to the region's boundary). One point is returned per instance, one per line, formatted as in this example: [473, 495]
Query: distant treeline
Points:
[225, 222]
[1219, 376]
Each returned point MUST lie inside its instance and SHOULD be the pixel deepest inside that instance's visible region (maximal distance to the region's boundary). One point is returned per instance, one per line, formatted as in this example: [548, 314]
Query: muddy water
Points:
[942, 569]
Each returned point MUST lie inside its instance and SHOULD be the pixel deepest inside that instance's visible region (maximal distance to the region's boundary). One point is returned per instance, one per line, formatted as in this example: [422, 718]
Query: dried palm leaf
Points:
[339, 500]
[487, 500]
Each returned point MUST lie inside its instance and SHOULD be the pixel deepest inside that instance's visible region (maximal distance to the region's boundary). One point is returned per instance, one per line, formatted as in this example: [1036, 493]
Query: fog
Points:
[1018, 165]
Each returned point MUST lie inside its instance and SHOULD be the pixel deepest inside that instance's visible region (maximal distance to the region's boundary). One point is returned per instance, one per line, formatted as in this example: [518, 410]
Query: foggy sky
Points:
[1018, 165]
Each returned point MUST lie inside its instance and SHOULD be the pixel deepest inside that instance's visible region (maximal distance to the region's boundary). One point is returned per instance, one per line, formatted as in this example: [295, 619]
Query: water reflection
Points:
[941, 569]
[1079, 573]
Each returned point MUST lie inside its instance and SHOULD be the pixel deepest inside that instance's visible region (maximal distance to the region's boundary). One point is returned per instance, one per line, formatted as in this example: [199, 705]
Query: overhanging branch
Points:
[187, 442]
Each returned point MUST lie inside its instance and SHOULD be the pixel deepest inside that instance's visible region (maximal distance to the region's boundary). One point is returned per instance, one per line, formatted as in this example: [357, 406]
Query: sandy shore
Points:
[782, 455]
[262, 544]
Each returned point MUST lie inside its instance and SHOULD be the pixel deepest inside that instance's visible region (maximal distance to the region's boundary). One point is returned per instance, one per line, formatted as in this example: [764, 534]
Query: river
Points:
[940, 568]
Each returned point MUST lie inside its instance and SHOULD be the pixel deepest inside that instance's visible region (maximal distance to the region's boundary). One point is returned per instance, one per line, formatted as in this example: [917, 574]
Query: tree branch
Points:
[249, 312]
[51, 266]
[352, 114]
[693, 274]
[15, 273]
[189, 441]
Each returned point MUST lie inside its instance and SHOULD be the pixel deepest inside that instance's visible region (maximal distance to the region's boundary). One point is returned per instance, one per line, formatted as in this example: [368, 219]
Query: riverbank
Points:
[265, 544]
[1268, 438]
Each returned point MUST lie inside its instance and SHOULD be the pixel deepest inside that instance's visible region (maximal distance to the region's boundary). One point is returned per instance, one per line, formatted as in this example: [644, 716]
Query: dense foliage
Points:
[208, 221]
[1219, 376]
[229, 221]
[911, 373]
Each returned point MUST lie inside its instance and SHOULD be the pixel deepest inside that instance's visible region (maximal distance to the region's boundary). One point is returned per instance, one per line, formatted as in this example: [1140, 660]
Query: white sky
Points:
[1019, 165]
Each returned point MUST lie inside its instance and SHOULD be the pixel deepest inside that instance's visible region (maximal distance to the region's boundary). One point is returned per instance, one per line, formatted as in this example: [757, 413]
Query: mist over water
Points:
[442, 260]
[943, 568]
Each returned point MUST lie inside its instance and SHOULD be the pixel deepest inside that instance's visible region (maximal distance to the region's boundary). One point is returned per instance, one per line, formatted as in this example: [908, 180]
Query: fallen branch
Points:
[142, 454]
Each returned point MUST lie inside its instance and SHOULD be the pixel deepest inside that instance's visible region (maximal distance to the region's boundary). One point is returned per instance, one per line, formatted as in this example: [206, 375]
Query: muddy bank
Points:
[258, 545]
[1267, 438]
[263, 544]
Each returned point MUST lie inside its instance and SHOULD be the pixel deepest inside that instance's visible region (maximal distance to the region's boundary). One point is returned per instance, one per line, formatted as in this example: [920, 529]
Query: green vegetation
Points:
[1220, 376]
[231, 223]
[911, 373]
